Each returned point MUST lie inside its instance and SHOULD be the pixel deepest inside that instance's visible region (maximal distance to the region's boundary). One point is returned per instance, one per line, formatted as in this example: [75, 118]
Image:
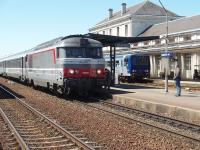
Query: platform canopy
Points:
[108, 40]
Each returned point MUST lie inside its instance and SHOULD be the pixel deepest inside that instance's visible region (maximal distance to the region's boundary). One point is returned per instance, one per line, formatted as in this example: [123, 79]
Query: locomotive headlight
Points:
[99, 71]
[134, 71]
[71, 71]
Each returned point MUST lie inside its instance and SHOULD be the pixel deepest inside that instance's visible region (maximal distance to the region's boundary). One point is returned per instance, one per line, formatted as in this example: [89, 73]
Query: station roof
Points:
[108, 40]
[186, 24]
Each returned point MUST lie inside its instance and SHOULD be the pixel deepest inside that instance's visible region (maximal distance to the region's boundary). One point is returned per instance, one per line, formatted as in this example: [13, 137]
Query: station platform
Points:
[155, 100]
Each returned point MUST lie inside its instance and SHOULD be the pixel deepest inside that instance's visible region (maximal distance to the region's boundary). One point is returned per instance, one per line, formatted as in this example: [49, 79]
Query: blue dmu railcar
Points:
[131, 67]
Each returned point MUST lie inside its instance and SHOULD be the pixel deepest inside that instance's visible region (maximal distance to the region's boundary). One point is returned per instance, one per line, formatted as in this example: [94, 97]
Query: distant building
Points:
[149, 19]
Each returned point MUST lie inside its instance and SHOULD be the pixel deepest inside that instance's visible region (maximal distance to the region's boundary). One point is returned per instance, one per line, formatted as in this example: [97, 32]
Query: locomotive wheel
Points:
[84, 93]
[55, 89]
[33, 85]
[67, 91]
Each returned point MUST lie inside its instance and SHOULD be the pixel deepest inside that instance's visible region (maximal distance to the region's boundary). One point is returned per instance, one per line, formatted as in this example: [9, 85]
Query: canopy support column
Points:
[112, 63]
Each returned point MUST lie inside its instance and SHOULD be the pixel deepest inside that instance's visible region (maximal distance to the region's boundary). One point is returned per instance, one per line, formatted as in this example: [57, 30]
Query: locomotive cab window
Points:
[79, 52]
[126, 62]
[142, 60]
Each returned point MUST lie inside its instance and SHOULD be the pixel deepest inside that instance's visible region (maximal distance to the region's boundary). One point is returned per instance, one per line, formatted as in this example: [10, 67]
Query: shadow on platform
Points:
[129, 86]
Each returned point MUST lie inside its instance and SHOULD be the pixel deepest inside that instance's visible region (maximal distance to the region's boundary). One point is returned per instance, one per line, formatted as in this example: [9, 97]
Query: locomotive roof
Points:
[72, 40]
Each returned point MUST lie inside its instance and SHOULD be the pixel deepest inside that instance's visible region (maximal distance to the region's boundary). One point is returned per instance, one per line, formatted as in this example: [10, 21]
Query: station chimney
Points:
[123, 8]
[110, 13]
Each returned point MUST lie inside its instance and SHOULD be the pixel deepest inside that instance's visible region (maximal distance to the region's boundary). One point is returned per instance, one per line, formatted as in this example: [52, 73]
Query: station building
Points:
[149, 19]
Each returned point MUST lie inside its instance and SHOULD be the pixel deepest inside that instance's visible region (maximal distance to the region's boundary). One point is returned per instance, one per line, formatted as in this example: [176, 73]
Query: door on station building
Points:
[158, 65]
[187, 65]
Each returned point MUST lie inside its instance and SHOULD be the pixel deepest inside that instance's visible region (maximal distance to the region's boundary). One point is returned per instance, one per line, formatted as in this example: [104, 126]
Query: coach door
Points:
[4, 67]
[24, 68]
[22, 78]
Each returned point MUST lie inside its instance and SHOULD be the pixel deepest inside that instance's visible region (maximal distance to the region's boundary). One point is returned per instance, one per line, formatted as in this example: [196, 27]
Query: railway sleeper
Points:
[32, 136]
[24, 127]
[30, 132]
[56, 146]
[48, 141]
[52, 143]
[32, 129]
[13, 147]
[76, 132]
[83, 139]
[46, 138]
[78, 135]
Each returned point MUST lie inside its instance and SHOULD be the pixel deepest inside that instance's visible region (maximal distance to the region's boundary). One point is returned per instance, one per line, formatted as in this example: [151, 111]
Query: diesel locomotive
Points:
[65, 65]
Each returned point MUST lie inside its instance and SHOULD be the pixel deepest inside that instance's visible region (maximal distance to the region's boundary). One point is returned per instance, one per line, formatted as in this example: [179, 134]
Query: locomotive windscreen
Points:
[140, 60]
[79, 52]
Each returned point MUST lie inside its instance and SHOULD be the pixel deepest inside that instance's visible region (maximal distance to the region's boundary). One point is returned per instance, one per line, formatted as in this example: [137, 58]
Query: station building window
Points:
[126, 30]
[158, 60]
[117, 31]
[157, 42]
[110, 31]
[198, 36]
[171, 39]
[187, 37]
[187, 64]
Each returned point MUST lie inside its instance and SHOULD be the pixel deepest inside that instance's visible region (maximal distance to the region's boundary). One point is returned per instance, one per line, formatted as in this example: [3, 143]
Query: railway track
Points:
[176, 127]
[31, 129]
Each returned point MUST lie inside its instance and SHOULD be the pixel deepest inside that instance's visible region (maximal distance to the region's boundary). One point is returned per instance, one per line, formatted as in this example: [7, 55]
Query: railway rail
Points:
[34, 130]
[176, 127]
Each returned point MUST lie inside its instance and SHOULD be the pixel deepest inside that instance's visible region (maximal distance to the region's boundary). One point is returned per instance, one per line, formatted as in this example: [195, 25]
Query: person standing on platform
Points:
[177, 79]
[108, 79]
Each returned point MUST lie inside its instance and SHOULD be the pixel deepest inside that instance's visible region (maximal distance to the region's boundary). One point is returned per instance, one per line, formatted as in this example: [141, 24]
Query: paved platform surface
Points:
[156, 101]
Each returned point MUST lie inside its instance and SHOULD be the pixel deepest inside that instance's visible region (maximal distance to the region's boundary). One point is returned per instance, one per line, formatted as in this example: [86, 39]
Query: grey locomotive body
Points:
[72, 63]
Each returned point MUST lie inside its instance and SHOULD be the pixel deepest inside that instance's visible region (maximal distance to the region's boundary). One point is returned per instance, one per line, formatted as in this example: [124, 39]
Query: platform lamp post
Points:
[166, 49]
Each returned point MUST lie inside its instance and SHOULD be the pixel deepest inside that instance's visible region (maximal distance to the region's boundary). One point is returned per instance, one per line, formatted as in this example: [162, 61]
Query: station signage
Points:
[167, 55]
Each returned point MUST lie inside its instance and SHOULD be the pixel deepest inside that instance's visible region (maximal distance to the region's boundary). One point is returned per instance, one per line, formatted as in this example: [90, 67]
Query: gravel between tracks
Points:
[114, 132]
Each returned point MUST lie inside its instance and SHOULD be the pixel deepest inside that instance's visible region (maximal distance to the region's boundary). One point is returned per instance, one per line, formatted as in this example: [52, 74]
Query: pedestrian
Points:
[107, 78]
[177, 79]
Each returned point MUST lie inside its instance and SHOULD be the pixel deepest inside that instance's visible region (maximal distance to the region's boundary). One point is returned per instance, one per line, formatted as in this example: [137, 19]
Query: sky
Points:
[27, 23]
